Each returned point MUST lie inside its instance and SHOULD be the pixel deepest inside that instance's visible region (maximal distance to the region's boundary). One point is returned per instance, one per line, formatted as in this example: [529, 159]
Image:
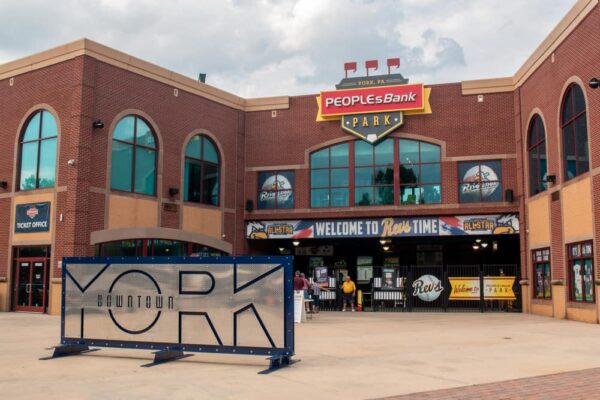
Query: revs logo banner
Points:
[32, 218]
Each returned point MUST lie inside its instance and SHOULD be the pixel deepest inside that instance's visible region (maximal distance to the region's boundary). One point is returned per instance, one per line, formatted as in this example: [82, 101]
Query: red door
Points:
[30, 288]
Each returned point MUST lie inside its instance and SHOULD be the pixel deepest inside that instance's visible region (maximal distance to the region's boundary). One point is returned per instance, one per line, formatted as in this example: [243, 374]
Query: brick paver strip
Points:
[584, 384]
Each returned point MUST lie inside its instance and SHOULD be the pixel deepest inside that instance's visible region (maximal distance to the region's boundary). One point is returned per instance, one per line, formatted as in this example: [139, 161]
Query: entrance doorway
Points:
[30, 279]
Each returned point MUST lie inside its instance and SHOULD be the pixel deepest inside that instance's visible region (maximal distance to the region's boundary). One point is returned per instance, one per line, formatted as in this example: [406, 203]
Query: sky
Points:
[292, 47]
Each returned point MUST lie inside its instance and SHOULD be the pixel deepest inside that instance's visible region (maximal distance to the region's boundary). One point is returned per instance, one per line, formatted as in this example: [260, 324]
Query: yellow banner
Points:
[494, 288]
[426, 109]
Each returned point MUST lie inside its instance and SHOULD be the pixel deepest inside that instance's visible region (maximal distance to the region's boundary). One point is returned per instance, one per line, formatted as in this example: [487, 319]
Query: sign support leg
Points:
[163, 356]
[69, 350]
[278, 361]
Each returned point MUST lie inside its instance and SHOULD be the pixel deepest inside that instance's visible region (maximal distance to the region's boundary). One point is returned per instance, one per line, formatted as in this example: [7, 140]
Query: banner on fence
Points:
[494, 288]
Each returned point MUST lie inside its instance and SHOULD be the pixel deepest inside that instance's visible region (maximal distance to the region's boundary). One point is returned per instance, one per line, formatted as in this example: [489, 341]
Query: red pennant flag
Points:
[371, 64]
[349, 66]
[393, 62]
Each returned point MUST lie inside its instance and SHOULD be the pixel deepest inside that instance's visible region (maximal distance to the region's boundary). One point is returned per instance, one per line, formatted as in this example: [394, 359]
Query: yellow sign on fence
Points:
[494, 288]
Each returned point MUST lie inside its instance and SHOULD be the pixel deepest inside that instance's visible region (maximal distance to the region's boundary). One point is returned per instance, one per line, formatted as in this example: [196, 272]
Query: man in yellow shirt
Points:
[348, 293]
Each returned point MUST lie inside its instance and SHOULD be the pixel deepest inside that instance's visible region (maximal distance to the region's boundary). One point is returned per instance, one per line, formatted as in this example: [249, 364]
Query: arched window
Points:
[37, 153]
[361, 174]
[536, 147]
[574, 133]
[133, 156]
[201, 175]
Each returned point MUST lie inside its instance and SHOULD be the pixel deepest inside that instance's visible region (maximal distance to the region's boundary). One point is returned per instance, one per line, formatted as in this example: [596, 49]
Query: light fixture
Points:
[383, 241]
[484, 244]
[475, 246]
[478, 240]
[386, 248]
[98, 124]
[281, 249]
[594, 83]
[296, 243]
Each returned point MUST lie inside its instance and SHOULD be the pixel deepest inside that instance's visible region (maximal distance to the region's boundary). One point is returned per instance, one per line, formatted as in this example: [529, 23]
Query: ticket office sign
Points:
[239, 305]
[494, 288]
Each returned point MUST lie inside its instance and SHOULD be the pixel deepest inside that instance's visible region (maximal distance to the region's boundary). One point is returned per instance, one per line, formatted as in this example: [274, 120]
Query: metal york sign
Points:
[239, 305]
[372, 107]
[496, 224]
[33, 217]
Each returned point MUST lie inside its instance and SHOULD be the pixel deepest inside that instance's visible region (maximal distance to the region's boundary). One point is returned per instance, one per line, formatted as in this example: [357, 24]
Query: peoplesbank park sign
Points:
[372, 107]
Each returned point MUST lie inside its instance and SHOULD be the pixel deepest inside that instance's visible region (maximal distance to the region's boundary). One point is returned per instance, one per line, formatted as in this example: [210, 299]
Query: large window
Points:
[536, 147]
[541, 272]
[374, 173]
[581, 272]
[38, 152]
[201, 175]
[480, 181]
[276, 189]
[133, 160]
[420, 175]
[390, 172]
[574, 133]
[153, 248]
[330, 176]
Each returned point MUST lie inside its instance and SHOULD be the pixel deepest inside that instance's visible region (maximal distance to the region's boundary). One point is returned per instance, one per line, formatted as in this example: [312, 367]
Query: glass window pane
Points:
[567, 113]
[409, 151]
[165, 248]
[47, 163]
[577, 276]
[363, 196]
[469, 192]
[285, 199]
[578, 99]
[49, 128]
[539, 281]
[340, 155]
[547, 287]
[32, 132]
[410, 194]
[319, 198]
[409, 173]
[534, 174]
[320, 159]
[384, 195]
[145, 171]
[588, 280]
[543, 167]
[339, 198]
[29, 153]
[145, 137]
[431, 194]
[210, 152]
[384, 152]
[570, 163]
[193, 148]
[492, 191]
[210, 184]
[430, 173]
[340, 177]
[124, 129]
[384, 175]
[121, 166]
[430, 153]
[363, 176]
[581, 139]
[193, 178]
[319, 178]
[363, 153]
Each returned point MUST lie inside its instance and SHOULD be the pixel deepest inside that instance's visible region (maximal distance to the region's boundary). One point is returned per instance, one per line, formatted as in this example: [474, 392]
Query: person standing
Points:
[348, 292]
[298, 281]
[316, 295]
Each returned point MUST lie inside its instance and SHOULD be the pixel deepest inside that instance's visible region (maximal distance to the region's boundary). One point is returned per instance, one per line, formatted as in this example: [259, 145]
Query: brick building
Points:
[110, 155]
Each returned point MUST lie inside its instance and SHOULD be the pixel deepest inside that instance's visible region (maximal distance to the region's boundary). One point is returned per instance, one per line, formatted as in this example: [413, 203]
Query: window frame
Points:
[202, 163]
[581, 258]
[572, 121]
[374, 166]
[259, 190]
[536, 147]
[479, 163]
[397, 183]
[39, 141]
[543, 260]
[134, 154]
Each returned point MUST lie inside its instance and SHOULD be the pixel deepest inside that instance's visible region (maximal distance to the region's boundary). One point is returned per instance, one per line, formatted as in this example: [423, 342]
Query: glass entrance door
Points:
[31, 284]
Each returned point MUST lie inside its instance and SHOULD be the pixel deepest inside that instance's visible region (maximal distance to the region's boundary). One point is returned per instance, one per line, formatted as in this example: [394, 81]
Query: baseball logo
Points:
[427, 288]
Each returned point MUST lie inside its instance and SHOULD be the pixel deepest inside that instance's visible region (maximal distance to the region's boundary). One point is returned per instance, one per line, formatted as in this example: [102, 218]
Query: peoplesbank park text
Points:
[388, 98]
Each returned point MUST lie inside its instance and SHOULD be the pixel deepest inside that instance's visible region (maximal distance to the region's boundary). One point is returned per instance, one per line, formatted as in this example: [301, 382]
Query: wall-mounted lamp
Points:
[173, 192]
[281, 249]
[383, 241]
[3, 185]
[475, 246]
[296, 243]
[594, 83]
[484, 244]
[551, 179]
[98, 124]
[386, 248]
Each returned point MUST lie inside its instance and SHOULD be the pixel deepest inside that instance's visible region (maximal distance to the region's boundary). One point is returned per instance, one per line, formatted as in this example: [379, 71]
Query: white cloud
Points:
[275, 47]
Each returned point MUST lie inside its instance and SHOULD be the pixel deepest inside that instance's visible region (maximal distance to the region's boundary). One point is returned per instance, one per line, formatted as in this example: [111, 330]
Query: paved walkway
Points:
[344, 356]
[583, 384]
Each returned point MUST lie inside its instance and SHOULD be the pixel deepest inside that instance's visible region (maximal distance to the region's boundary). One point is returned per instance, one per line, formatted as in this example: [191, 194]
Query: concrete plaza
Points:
[344, 356]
